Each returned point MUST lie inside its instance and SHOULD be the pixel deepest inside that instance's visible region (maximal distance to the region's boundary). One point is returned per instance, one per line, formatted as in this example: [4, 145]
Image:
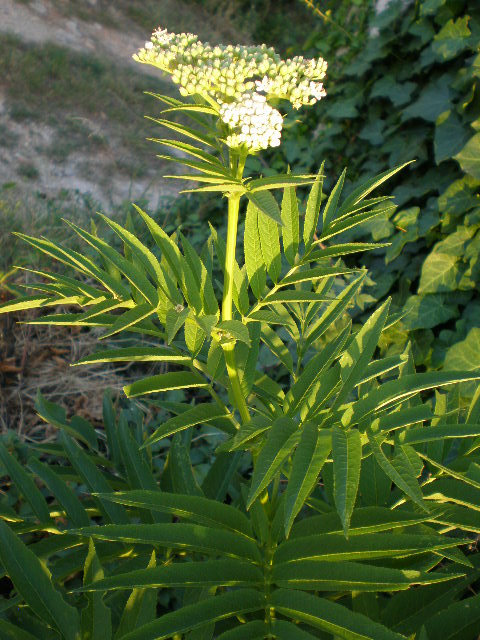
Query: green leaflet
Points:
[179, 475]
[281, 439]
[313, 209]
[202, 278]
[196, 615]
[329, 616]
[277, 346]
[32, 581]
[360, 351]
[64, 495]
[194, 336]
[312, 575]
[234, 329]
[135, 354]
[92, 477]
[280, 182]
[25, 485]
[459, 620]
[338, 250]
[141, 607]
[165, 382]
[399, 471]
[439, 432]
[206, 573]
[198, 509]
[12, 632]
[180, 536]
[291, 224]
[306, 383]
[253, 254]
[129, 319]
[266, 203]
[270, 245]
[96, 618]
[330, 209]
[293, 295]
[308, 275]
[365, 520]
[187, 131]
[133, 274]
[199, 414]
[352, 221]
[394, 392]
[347, 458]
[334, 547]
[138, 472]
[367, 187]
[308, 460]
[334, 310]
[191, 150]
[254, 630]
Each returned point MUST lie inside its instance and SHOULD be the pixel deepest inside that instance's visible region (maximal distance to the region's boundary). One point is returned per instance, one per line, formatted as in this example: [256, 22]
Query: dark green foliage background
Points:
[402, 85]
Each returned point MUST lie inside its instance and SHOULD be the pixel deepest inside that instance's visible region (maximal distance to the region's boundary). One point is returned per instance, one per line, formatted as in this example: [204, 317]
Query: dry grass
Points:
[37, 358]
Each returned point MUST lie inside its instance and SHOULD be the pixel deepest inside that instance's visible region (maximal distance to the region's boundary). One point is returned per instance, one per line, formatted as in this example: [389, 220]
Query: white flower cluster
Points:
[258, 125]
[230, 76]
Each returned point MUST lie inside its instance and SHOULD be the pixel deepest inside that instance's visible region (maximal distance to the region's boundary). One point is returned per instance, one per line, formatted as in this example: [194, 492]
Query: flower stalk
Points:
[227, 302]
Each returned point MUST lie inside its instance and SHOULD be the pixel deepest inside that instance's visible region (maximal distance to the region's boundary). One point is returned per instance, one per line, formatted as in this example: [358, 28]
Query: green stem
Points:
[227, 303]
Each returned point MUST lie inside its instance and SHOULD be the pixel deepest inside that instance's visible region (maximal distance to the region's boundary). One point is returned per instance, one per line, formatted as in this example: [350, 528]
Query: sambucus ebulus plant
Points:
[336, 494]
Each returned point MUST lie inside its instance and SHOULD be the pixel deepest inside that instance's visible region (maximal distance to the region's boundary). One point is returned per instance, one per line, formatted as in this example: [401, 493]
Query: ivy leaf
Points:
[469, 157]
[439, 273]
[464, 355]
[452, 39]
[450, 136]
[388, 87]
[430, 310]
[434, 100]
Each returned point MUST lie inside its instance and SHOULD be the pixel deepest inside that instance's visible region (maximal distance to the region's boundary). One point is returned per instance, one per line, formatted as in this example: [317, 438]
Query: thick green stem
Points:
[227, 304]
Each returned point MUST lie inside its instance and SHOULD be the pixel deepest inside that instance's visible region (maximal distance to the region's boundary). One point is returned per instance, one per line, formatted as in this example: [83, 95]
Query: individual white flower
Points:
[254, 123]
